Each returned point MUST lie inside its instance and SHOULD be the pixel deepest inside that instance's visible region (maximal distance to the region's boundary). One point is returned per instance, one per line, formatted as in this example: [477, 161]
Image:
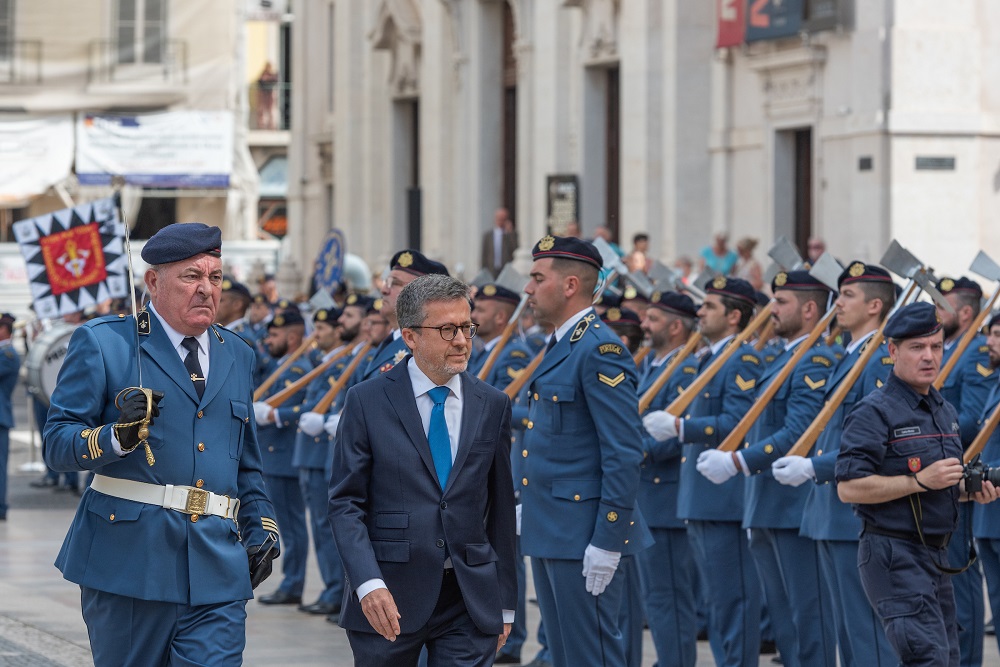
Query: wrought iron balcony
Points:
[112, 61]
[21, 61]
[270, 106]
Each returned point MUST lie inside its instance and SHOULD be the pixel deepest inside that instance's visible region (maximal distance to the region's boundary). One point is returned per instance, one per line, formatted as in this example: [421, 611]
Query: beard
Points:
[950, 329]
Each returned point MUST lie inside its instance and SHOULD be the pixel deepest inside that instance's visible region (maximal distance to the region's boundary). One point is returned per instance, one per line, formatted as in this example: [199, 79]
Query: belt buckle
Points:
[197, 501]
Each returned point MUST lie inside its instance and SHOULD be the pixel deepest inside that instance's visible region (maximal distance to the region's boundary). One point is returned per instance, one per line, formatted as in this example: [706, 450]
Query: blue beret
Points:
[760, 298]
[7, 320]
[181, 241]
[359, 300]
[286, 319]
[260, 298]
[630, 293]
[994, 320]
[286, 306]
[961, 285]
[567, 247]
[414, 262]
[915, 320]
[328, 315]
[494, 292]
[735, 288]
[621, 316]
[859, 272]
[608, 300]
[673, 302]
[796, 281]
[231, 285]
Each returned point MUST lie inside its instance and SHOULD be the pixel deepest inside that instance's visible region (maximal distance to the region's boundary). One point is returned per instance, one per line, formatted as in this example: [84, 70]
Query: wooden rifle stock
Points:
[640, 355]
[982, 437]
[279, 398]
[964, 341]
[832, 338]
[737, 435]
[689, 347]
[765, 336]
[523, 376]
[682, 402]
[508, 331]
[266, 384]
[328, 398]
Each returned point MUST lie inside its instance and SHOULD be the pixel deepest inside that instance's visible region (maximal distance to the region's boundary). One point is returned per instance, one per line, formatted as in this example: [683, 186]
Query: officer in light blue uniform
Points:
[900, 464]
[10, 364]
[788, 564]
[277, 429]
[866, 295]
[714, 513]
[966, 388]
[164, 542]
[493, 307]
[986, 518]
[233, 306]
[581, 454]
[667, 570]
[255, 332]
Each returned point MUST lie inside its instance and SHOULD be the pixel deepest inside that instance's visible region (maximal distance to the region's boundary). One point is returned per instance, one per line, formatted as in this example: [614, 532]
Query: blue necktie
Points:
[437, 435]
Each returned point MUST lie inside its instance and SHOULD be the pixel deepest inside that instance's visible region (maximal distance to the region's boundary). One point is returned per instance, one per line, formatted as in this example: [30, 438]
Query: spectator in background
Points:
[815, 247]
[269, 287]
[638, 259]
[573, 229]
[266, 83]
[499, 243]
[747, 267]
[719, 256]
[604, 233]
[684, 268]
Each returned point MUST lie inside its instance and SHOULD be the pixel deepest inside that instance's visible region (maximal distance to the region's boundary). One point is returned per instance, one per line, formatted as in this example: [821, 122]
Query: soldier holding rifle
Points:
[900, 464]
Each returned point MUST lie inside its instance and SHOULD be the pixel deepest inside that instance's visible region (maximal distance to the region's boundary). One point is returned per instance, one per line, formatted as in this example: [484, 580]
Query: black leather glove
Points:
[132, 409]
[260, 558]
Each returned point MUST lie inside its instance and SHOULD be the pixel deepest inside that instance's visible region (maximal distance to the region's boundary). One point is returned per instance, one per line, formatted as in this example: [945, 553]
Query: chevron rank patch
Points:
[745, 385]
[611, 382]
[610, 348]
[822, 361]
[814, 385]
[750, 359]
[512, 373]
[984, 371]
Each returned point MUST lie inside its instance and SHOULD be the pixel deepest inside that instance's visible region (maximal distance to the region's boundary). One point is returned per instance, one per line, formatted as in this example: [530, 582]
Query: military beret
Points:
[328, 315]
[260, 298]
[859, 272]
[373, 305]
[7, 320]
[960, 285]
[286, 319]
[736, 288]
[796, 281]
[494, 292]
[630, 293]
[621, 316]
[915, 320]
[359, 301]
[231, 285]
[567, 247]
[760, 298]
[994, 320]
[414, 262]
[608, 300]
[287, 305]
[181, 241]
[673, 302]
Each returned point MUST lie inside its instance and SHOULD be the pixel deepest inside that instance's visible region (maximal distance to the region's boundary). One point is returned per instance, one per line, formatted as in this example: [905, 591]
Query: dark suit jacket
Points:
[391, 520]
[508, 246]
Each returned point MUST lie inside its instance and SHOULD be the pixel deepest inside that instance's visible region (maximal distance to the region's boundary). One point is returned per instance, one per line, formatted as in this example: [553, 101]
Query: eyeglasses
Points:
[449, 331]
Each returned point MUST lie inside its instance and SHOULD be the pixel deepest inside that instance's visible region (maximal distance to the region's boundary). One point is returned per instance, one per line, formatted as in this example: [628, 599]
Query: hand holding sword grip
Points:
[137, 409]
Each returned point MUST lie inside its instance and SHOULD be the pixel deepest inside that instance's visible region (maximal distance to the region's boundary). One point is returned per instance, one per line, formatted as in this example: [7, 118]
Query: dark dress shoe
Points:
[768, 647]
[507, 659]
[321, 608]
[990, 629]
[333, 618]
[280, 597]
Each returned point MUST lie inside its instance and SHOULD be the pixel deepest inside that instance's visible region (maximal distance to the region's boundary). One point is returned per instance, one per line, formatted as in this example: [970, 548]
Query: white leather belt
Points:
[185, 499]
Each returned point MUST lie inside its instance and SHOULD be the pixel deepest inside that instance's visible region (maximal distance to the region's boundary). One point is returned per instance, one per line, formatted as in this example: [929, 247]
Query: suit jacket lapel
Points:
[473, 406]
[159, 350]
[220, 362]
[400, 395]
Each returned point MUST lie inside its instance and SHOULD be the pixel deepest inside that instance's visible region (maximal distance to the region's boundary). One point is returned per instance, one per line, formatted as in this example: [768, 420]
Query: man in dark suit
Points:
[421, 500]
[499, 243]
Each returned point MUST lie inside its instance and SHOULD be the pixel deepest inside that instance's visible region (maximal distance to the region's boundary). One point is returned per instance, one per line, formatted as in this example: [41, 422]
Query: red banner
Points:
[74, 258]
[731, 22]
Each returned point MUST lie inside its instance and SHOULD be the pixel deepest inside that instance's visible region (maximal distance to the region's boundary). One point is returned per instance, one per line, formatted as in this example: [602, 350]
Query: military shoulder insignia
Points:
[856, 269]
[518, 354]
[690, 370]
[611, 381]
[822, 361]
[298, 370]
[984, 371]
[581, 327]
[610, 348]
[142, 323]
[546, 243]
[878, 384]
[387, 366]
[984, 348]
[513, 373]
[268, 524]
[405, 260]
[745, 385]
[814, 385]
[750, 358]
[399, 357]
[887, 361]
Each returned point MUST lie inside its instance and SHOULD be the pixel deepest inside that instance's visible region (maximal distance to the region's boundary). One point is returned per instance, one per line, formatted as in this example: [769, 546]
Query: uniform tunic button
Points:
[524, 481]
[194, 518]
[200, 483]
[112, 517]
[656, 480]
[270, 449]
[201, 446]
[440, 544]
[531, 424]
[444, 505]
[535, 396]
[555, 399]
[201, 413]
[576, 497]
[524, 453]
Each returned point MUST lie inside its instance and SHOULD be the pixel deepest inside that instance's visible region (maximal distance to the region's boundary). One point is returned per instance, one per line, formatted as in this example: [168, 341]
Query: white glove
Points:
[661, 425]
[599, 568]
[311, 423]
[262, 413]
[793, 470]
[517, 519]
[717, 466]
[331, 424]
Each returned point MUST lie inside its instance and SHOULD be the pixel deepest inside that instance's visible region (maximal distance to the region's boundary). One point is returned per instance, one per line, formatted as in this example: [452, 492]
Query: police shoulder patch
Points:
[611, 381]
[750, 358]
[822, 361]
[610, 348]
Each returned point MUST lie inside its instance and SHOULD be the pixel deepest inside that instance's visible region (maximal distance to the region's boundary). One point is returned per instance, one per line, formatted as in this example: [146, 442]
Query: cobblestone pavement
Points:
[40, 621]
